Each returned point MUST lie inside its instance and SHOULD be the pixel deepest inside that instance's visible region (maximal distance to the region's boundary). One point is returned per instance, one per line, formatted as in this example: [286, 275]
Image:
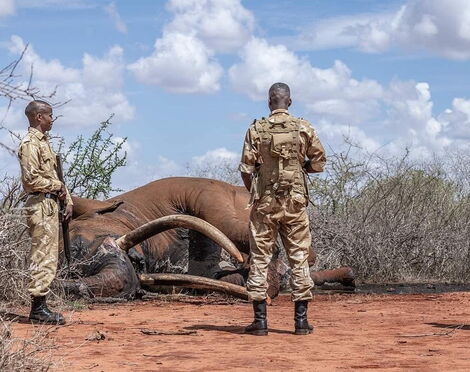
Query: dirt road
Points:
[366, 332]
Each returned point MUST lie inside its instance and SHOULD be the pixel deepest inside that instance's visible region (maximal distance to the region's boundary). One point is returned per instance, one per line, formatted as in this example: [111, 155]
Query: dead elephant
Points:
[117, 245]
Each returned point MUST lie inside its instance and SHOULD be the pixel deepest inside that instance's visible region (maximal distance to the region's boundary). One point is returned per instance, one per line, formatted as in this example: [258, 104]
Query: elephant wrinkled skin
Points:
[105, 270]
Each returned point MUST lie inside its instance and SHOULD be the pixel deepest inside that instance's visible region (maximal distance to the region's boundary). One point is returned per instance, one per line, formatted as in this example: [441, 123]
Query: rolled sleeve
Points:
[315, 152]
[250, 153]
[245, 168]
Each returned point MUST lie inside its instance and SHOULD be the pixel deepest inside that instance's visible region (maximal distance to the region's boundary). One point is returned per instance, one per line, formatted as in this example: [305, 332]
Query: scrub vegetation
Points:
[392, 219]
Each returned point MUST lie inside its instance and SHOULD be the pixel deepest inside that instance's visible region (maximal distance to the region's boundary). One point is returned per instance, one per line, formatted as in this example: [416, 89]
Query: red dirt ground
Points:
[352, 332]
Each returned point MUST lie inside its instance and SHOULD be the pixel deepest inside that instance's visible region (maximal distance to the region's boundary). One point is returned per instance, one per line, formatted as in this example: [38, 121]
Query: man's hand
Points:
[68, 212]
[311, 168]
[62, 192]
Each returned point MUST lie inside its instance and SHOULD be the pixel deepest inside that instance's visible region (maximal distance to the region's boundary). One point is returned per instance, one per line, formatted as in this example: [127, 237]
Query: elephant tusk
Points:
[159, 225]
[191, 281]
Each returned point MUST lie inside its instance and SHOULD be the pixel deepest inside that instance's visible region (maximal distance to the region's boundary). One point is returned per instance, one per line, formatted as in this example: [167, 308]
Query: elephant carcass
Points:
[220, 204]
[110, 272]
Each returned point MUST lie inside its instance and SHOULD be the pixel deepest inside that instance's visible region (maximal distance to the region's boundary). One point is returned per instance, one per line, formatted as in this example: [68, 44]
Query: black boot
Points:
[41, 314]
[301, 324]
[259, 327]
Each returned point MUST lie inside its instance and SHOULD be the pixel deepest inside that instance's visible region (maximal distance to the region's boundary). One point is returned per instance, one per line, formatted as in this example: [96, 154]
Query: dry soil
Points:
[352, 332]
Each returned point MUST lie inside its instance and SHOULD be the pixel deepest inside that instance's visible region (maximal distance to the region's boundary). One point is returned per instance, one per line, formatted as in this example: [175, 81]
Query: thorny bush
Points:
[390, 219]
[16, 354]
[394, 219]
[14, 244]
[19, 354]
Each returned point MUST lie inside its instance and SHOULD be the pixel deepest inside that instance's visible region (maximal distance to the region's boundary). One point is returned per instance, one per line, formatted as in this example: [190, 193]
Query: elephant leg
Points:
[204, 255]
[108, 272]
[342, 275]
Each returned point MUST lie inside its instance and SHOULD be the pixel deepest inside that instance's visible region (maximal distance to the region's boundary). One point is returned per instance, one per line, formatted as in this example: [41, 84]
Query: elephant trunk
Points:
[159, 225]
[342, 275]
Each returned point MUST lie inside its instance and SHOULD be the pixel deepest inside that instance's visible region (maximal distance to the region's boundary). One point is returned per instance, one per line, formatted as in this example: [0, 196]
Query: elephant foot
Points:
[342, 275]
[75, 289]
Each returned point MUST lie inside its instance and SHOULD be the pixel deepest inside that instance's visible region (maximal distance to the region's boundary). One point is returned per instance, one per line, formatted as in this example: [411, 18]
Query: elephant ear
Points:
[82, 206]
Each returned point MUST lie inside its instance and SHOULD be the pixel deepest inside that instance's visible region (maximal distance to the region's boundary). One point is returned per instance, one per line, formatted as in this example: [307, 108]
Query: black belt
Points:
[47, 195]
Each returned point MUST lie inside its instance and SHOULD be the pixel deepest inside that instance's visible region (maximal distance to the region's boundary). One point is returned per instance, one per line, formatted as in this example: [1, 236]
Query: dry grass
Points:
[19, 354]
[14, 245]
[394, 219]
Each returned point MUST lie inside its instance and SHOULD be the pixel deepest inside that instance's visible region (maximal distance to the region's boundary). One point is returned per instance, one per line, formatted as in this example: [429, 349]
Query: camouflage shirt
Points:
[39, 165]
[310, 145]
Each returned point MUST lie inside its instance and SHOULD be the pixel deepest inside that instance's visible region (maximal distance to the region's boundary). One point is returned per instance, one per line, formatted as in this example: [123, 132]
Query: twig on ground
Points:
[167, 333]
[448, 333]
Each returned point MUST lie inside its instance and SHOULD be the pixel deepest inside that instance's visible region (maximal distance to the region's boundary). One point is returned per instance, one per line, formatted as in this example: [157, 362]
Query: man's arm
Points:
[64, 195]
[248, 160]
[315, 153]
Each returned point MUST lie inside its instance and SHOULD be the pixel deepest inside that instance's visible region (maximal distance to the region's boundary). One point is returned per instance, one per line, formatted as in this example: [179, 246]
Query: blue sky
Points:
[185, 78]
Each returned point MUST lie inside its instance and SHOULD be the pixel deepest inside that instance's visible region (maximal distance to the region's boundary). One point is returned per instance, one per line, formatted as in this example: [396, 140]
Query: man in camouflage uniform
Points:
[41, 183]
[272, 168]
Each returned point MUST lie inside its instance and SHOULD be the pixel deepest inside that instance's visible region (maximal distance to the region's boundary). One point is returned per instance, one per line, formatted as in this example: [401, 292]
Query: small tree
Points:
[92, 162]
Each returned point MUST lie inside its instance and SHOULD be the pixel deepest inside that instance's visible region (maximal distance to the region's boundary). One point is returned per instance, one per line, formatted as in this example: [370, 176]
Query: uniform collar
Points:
[279, 111]
[37, 133]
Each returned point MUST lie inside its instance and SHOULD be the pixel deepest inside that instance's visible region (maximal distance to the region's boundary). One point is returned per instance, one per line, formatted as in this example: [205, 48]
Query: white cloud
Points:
[113, 13]
[333, 135]
[456, 121]
[7, 7]
[216, 156]
[222, 25]
[389, 118]
[94, 91]
[441, 27]
[330, 91]
[337, 32]
[181, 64]
[183, 60]
[137, 173]
[406, 120]
[409, 117]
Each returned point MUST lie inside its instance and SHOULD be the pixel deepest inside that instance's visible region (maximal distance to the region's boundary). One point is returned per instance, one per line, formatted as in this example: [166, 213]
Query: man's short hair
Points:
[280, 89]
[35, 107]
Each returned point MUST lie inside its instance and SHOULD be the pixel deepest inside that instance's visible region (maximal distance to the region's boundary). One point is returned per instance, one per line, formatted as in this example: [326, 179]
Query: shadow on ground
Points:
[464, 327]
[12, 317]
[231, 329]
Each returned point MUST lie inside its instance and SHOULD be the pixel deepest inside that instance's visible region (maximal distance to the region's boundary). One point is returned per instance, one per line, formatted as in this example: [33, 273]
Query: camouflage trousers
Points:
[270, 216]
[43, 223]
